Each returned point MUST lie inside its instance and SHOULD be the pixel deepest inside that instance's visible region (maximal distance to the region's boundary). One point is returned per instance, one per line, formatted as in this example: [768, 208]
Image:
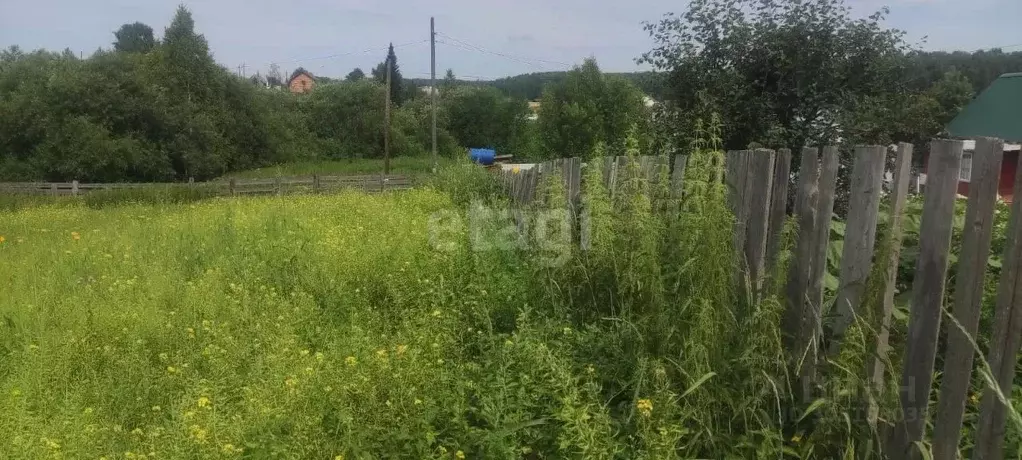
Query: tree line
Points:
[163, 110]
[774, 73]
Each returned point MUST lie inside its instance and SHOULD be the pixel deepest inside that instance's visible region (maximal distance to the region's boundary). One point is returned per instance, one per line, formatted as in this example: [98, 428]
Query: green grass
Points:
[396, 326]
[398, 165]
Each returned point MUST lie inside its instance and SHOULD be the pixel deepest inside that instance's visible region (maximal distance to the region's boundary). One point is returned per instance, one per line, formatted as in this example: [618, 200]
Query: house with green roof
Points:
[996, 112]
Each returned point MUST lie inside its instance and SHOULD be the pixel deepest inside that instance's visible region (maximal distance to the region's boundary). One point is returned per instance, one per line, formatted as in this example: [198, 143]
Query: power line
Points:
[465, 48]
[349, 53]
[472, 47]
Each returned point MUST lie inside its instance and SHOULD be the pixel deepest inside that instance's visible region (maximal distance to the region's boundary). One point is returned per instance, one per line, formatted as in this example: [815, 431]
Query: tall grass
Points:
[348, 326]
[398, 165]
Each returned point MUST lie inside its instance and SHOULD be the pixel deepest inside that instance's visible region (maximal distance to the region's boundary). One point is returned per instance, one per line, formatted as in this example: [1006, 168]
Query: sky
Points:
[477, 39]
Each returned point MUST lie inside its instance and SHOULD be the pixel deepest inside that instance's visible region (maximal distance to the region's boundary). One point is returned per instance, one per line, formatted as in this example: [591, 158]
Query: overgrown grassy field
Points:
[398, 165]
[413, 324]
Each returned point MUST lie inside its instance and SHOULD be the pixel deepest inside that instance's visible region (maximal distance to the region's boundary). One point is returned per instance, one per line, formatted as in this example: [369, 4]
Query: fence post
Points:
[74, 188]
[276, 186]
[811, 326]
[53, 189]
[1004, 345]
[927, 295]
[191, 181]
[972, 264]
[315, 183]
[232, 186]
[573, 187]
[799, 270]
[737, 180]
[757, 195]
[678, 176]
[778, 208]
[899, 196]
[860, 238]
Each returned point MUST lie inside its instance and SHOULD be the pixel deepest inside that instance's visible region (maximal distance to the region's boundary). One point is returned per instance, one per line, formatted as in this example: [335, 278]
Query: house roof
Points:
[996, 112]
[298, 72]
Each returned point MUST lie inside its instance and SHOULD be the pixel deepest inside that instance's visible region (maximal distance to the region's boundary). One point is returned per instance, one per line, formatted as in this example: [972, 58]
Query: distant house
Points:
[996, 112]
[301, 81]
[534, 110]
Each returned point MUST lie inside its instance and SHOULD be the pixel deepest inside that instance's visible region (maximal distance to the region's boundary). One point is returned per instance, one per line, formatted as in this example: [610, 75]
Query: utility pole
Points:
[386, 125]
[243, 66]
[432, 83]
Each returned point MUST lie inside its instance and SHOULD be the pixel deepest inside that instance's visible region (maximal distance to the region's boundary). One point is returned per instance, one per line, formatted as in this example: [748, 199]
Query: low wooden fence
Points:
[758, 182]
[231, 187]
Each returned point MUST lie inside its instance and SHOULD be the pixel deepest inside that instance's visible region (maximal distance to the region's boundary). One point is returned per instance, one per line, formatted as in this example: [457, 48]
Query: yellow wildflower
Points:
[230, 449]
[203, 402]
[645, 407]
[339, 457]
[75, 236]
[381, 353]
[319, 356]
[2, 239]
[351, 361]
[198, 433]
[797, 438]
[171, 370]
[401, 349]
[459, 455]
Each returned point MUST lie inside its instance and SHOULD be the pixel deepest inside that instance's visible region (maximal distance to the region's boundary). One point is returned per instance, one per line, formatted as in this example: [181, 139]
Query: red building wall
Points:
[1006, 185]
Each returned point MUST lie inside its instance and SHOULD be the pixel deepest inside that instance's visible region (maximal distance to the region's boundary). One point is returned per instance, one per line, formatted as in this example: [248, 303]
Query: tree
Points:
[258, 80]
[916, 117]
[778, 72]
[355, 75]
[588, 108]
[274, 78]
[396, 81]
[449, 81]
[134, 38]
[485, 118]
[188, 66]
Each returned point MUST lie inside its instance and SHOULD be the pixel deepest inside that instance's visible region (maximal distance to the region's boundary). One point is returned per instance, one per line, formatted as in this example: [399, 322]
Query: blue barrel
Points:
[482, 156]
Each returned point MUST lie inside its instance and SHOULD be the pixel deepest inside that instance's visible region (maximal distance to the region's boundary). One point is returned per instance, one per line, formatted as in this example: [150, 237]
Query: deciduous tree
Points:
[134, 38]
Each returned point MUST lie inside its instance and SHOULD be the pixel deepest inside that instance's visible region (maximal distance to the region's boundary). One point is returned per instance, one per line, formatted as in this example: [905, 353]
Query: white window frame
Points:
[965, 173]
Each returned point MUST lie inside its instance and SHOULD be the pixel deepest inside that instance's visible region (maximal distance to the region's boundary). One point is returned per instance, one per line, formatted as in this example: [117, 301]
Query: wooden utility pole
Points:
[386, 125]
[432, 83]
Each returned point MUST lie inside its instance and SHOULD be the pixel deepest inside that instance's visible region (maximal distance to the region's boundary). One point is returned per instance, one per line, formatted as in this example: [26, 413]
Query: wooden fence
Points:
[758, 186]
[231, 187]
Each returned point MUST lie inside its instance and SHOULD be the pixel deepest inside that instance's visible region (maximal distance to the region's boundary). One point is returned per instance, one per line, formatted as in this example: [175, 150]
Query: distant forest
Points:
[926, 67]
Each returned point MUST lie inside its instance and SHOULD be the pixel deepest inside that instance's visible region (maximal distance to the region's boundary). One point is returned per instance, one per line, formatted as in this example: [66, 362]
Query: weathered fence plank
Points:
[778, 207]
[860, 237]
[927, 295]
[737, 179]
[1007, 336]
[799, 270]
[678, 176]
[972, 264]
[898, 198]
[760, 173]
[811, 327]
